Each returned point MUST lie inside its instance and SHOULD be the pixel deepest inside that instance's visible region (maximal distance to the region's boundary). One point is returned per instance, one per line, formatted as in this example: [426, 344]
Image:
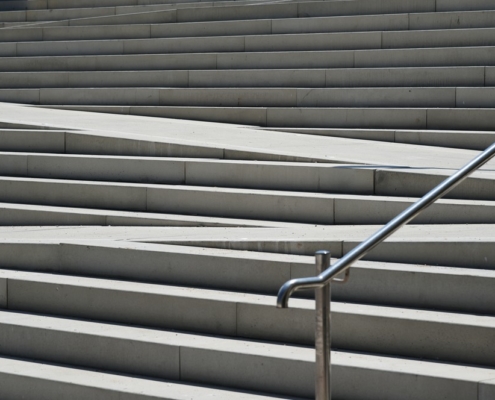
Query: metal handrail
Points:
[327, 274]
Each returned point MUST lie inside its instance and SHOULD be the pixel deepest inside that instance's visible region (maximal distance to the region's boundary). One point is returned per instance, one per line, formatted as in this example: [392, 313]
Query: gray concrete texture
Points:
[50, 379]
[307, 78]
[42, 381]
[167, 137]
[258, 97]
[474, 140]
[379, 118]
[272, 205]
[255, 318]
[465, 245]
[388, 284]
[195, 13]
[330, 178]
[35, 215]
[390, 22]
[392, 58]
[175, 237]
[256, 43]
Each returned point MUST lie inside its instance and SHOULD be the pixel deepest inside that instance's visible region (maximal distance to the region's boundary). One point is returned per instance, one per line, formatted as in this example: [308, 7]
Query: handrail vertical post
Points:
[322, 331]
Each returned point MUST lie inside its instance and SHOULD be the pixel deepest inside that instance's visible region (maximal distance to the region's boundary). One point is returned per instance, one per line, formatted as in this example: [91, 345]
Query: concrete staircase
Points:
[140, 257]
[382, 64]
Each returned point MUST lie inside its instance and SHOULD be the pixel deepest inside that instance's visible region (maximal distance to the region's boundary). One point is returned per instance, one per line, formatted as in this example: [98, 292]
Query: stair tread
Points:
[100, 385]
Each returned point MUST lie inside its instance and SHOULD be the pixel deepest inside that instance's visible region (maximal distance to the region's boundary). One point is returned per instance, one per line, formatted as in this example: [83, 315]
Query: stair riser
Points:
[301, 98]
[108, 145]
[390, 97]
[477, 254]
[10, 217]
[371, 333]
[389, 182]
[22, 215]
[420, 287]
[44, 141]
[318, 78]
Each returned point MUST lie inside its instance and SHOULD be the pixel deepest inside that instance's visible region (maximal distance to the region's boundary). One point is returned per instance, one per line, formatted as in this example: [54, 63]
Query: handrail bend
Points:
[369, 244]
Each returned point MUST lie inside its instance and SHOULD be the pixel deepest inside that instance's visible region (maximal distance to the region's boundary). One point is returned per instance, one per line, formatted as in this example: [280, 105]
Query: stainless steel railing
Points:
[327, 273]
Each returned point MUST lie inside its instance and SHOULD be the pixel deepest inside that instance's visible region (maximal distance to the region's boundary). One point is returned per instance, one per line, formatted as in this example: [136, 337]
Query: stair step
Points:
[157, 354]
[300, 207]
[389, 330]
[397, 285]
[406, 182]
[465, 245]
[387, 22]
[412, 97]
[434, 379]
[261, 97]
[376, 58]
[308, 177]
[257, 43]
[297, 78]
[41, 381]
[218, 28]
[55, 141]
[322, 41]
[51, 141]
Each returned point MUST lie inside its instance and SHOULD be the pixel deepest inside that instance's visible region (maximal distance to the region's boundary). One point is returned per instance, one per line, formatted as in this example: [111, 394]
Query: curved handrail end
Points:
[293, 285]
[285, 292]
